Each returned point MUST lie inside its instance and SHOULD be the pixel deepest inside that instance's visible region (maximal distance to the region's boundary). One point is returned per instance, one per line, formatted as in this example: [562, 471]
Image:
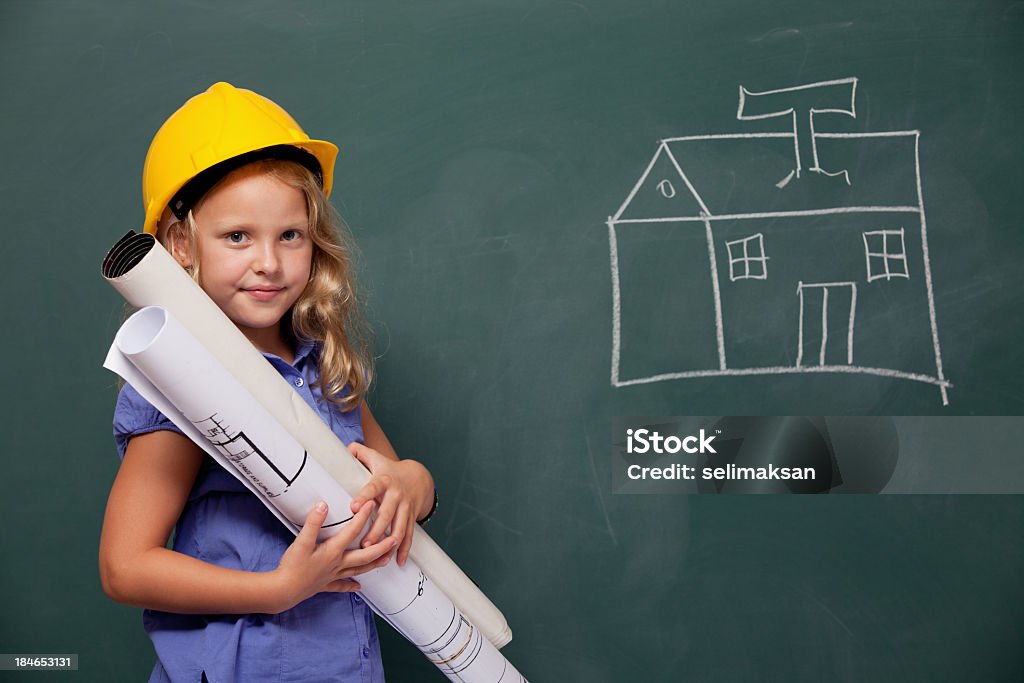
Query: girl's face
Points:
[254, 251]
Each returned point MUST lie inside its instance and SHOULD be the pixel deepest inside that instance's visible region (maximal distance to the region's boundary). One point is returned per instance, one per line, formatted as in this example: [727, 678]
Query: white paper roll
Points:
[210, 405]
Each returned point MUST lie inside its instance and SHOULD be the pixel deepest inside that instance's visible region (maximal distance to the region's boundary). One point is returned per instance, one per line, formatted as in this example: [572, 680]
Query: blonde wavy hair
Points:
[329, 311]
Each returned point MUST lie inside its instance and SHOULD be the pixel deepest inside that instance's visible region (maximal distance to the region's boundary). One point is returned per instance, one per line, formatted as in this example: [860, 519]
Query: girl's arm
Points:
[404, 489]
[136, 568]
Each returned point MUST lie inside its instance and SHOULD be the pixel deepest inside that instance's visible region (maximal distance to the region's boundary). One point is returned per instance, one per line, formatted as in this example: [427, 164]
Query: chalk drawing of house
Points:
[796, 251]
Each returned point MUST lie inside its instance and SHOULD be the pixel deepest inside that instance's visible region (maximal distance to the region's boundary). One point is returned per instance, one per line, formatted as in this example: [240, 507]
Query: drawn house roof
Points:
[738, 174]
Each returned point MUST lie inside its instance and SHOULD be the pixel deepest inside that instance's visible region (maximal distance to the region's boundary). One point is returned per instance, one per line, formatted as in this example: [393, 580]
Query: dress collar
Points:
[303, 348]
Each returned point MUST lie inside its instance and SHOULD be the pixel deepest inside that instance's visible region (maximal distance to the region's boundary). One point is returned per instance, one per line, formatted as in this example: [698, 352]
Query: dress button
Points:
[356, 599]
[366, 652]
[299, 382]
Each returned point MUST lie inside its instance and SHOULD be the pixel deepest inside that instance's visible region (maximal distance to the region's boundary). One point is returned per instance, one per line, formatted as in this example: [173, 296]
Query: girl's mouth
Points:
[262, 293]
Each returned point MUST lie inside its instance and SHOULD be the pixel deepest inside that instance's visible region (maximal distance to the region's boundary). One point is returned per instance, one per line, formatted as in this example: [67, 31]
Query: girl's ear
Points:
[178, 242]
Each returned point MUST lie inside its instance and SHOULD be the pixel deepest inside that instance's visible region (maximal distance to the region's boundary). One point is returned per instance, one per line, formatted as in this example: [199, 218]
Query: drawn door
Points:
[827, 314]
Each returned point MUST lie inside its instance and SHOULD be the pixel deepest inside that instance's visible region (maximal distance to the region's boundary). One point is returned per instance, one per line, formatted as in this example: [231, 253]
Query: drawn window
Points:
[886, 254]
[746, 259]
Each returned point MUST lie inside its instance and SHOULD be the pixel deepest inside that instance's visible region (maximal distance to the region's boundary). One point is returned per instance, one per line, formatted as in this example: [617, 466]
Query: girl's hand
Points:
[404, 491]
[308, 568]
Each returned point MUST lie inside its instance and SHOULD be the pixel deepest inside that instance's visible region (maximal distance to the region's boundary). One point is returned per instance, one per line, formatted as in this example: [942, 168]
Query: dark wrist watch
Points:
[433, 509]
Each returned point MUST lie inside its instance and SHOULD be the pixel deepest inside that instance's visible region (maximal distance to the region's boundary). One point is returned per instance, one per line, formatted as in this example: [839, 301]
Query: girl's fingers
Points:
[405, 547]
[399, 523]
[370, 491]
[350, 532]
[356, 449]
[311, 527]
[363, 454]
[385, 517]
[369, 459]
[364, 559]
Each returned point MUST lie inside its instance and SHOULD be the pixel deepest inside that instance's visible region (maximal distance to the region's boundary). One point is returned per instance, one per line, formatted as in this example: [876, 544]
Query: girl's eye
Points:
[236, 237]
[289, 235]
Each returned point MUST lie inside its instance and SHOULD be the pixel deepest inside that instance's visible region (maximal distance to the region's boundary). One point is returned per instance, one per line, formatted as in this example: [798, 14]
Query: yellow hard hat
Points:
[212, 134]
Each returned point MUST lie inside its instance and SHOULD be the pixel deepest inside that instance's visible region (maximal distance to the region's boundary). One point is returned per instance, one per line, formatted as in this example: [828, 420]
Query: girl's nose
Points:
[267, 259]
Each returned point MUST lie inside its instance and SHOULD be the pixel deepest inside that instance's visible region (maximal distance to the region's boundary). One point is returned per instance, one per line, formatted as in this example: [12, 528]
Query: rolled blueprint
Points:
[165, 363]
[142, 271]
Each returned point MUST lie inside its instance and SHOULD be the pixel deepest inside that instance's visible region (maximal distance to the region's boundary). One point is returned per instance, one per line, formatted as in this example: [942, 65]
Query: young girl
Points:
[238, 194]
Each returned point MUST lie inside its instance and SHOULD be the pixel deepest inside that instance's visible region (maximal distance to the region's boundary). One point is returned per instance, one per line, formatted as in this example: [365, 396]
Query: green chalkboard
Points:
[537, 190]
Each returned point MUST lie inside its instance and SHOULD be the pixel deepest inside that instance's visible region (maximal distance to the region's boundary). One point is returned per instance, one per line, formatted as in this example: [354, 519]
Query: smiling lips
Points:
[263, 293]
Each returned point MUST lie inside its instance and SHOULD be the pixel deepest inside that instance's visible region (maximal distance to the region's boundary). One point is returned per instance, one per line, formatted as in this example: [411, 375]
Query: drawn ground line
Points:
[791, 370]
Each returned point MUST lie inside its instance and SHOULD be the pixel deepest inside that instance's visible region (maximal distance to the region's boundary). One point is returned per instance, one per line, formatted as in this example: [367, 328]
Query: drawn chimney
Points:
[802, 102]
